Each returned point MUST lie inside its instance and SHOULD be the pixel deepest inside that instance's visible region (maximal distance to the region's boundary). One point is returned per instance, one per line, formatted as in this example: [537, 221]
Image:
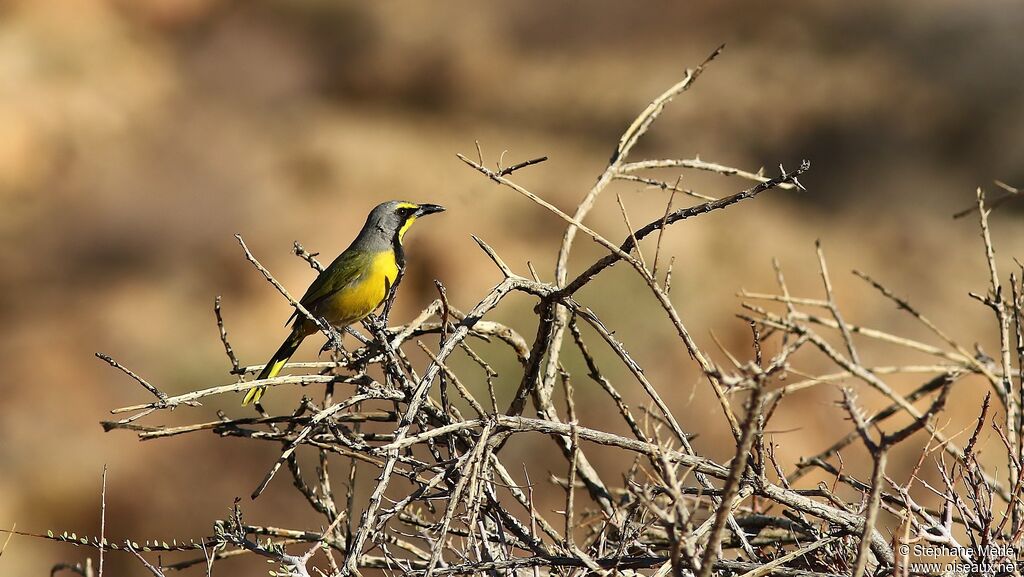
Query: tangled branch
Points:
[445, 499]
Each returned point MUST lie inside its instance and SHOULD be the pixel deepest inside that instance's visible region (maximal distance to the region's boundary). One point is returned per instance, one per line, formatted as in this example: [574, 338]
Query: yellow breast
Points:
[361, 298]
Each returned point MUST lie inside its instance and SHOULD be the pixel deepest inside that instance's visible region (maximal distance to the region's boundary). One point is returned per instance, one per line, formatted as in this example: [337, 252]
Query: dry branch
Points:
[442, 498]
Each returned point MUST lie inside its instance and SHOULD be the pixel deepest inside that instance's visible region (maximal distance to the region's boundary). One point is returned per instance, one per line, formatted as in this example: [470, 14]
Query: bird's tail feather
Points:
[274, 366]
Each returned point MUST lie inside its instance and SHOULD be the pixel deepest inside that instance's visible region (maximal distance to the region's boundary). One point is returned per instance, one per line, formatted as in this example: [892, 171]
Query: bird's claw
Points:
[375, 324]
[334, 339]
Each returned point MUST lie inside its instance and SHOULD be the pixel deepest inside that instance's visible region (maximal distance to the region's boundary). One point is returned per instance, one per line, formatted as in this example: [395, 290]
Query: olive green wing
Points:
[345, 271]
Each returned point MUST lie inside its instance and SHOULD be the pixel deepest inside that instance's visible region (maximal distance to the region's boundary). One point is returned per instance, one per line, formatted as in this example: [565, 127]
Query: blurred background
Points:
[137, 136]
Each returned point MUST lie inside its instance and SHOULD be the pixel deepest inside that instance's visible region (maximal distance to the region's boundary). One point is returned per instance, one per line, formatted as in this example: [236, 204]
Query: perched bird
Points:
[355, 284]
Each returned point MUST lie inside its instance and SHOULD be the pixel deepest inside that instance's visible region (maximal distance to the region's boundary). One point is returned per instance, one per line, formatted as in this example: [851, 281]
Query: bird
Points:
[355, 284]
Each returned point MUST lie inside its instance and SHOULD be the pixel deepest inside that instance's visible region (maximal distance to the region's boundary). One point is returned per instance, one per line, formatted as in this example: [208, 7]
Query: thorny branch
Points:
[442, 495]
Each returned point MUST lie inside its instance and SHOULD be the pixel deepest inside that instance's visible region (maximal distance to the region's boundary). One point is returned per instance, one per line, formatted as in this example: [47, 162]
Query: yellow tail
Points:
[274, 366]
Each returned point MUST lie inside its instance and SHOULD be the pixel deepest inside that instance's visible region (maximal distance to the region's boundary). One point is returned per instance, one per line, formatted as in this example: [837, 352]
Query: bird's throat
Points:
[405, 227]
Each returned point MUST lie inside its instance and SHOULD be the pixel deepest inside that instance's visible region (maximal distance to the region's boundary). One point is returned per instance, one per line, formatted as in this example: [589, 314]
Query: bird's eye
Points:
[405, 211]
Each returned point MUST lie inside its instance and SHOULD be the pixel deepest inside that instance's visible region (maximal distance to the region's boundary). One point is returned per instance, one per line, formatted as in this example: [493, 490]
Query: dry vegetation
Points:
[441, 497]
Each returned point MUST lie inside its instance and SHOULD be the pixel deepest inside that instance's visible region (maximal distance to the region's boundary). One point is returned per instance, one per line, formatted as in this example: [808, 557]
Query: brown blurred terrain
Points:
[137, 136]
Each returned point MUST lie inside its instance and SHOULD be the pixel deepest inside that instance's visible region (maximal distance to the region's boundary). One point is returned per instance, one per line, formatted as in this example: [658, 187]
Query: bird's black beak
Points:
[425, 209]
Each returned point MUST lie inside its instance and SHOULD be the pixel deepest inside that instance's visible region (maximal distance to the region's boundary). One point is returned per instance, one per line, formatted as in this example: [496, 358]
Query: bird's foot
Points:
[376, 326]
[334, 339]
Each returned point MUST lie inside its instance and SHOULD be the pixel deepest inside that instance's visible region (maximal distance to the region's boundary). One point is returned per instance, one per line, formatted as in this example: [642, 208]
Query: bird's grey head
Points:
[389, 221]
